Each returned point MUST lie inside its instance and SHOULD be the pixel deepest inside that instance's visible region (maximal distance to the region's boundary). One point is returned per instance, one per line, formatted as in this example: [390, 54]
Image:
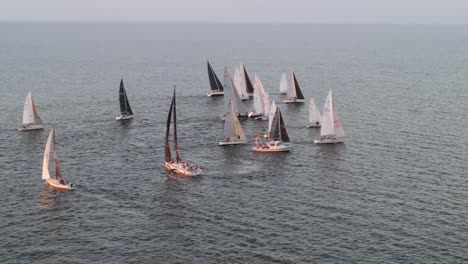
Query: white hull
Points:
[31, 127]
[313, 125]
[235, 142]
[329, 141]
[181, 169]
[124, 117]
[215, 93]
[57, 185]
[293, 101]
[274, 146]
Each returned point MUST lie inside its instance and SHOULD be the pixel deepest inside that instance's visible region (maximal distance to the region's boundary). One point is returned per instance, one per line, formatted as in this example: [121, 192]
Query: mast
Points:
[167, 149]
[178, 158]
[215, 84]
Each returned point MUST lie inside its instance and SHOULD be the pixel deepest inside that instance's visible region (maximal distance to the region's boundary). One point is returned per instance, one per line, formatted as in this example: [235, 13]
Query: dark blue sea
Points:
[395, 192]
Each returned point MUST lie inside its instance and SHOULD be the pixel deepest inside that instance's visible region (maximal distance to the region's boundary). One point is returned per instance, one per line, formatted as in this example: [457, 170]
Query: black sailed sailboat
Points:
[294, 93]
[277, 133]
[217, 88]
[176, 166]
[125, 109]
[249, 87]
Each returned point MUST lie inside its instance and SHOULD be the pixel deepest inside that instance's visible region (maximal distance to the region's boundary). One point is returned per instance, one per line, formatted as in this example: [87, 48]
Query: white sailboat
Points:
[261, 101]
[240, 83]
[277, 134]
[233, 132]
[31, 117]
[216, 87]
[230, 92]
[283, 84]
[176, 165]
[331, 130]
[314, 114]
[125, 109]
[58, 182]
[294, 93]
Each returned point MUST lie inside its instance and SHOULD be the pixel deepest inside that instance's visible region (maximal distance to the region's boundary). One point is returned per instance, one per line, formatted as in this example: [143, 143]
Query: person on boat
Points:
[238, 137]
[62, 182]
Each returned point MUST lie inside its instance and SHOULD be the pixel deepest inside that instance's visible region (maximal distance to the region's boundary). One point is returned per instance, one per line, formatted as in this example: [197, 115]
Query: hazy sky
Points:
[276, 11]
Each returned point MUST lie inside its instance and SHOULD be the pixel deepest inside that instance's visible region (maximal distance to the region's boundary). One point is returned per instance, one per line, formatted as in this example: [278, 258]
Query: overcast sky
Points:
[244, 11]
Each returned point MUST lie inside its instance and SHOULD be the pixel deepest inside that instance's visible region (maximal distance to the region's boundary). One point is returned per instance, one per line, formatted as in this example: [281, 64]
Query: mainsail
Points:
[258, 101]
[30, 112]
[124, 105]
[283, 83]
[215, 84]
[297, 88]
[294, 91]
[232, 126]
[331, 125]
[58, 172]
[45, 162]
[278, 128]
[271, 114]
[167, 149]
[240, 82]
[314, 114]
[248, 83]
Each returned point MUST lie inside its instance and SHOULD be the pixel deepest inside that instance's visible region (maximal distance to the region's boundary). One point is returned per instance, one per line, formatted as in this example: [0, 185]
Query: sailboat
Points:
[277, 134]
[248, 84]
[241, 83]
[294, 93]
[231, 92]
[217, 88]
[233, 132]
[58, 182]
[125, 109]
[283, 84]
[31, 117]
[176, 166]
[331, 130]
[314, 114]
[261, 101]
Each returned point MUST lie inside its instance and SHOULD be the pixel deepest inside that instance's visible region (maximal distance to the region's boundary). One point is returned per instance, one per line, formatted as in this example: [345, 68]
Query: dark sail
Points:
[178, 158]
[124, 105]
[58, 172]
[215, 84]
[298, 89]
[248, 83]
[278, 129]
[167, 149]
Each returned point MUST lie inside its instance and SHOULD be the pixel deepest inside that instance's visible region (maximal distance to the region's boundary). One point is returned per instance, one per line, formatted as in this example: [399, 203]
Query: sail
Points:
[283, 83]
[58, 172]
[258, 101]
[228, 89]
[314, 114]
[239, 82]
[265, 97]
[271, 114]
[283, 130]
[45, 162]
[249, 88]
[328, 122]
[178, 158]
[232, 126]
[28, 110]
[239, 106]
[291, 92]
[124, 105]
[167, 149]
[37, 116]
[215, 84]
[337, 125]
[278, 129]
[298, 91]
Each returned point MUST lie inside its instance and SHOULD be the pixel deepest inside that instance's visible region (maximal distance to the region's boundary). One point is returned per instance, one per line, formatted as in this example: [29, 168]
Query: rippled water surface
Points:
[396, 192]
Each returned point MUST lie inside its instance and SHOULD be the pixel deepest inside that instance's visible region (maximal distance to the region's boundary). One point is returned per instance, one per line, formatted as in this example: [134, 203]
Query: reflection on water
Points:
[48, 197]
[331, 152]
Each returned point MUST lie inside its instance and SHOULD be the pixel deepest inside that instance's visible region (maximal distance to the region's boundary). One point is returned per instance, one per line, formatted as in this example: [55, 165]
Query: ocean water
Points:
[395, 192]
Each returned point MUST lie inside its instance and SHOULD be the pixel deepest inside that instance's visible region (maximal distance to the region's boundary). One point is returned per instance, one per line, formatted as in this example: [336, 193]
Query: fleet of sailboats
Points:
[233, 132]
[277, 134]
[31, 117]
[331, 131]
[294, 93]
[176, 164]
[125, 109]
[58, 182]
[217, 88]
[314, 114]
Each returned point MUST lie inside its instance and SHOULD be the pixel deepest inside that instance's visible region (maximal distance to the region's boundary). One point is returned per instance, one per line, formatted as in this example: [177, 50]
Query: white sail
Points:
[291, 92]
[239, 106]
[339, 131]
[240, 83]
[330, 123]
[45, 162]
[265, 97]
[232, 126]
[28, 110]
[258, 100]
[314, 114]
[271, 115]
[227, 87]
[283, 84]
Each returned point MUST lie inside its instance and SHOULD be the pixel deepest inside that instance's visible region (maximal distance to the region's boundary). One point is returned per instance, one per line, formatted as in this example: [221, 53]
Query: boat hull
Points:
[31, 127]
[268, 147]
[215, 93]
[180, 169]
[313, 125]
[230, 143]
[124, 117]
[293, 101]
[329, 141]
[53, 183]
